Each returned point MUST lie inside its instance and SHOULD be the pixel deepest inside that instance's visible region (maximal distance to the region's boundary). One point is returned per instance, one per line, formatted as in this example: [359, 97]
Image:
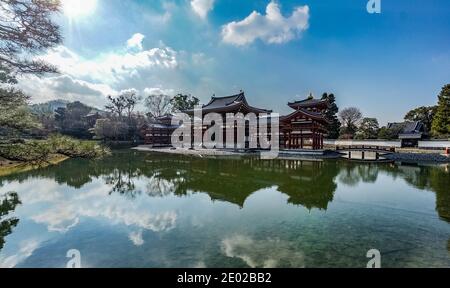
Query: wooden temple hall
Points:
[304, 128]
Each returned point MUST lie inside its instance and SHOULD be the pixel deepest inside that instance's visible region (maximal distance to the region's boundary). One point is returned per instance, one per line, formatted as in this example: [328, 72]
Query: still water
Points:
[138, 209]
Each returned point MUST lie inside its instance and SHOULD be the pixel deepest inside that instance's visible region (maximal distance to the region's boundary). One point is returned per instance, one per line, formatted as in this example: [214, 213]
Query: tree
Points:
[350, 118]
[131, 99]
[125, 102]
[331, 114]
[111, 129]
[14, 113]
[441, 121]
[117, 105]
[158, 105]
[72, 120]
[424, 114]
[368, 129]
[26, 28]
[182, 102]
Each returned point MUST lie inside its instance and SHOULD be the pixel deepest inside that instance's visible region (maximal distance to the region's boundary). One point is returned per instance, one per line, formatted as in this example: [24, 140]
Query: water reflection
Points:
[132, 189]
[8, 204]
[307, 183]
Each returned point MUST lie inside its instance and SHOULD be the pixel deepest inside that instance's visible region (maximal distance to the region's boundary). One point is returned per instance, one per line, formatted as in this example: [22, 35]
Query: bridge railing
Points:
[369, 144]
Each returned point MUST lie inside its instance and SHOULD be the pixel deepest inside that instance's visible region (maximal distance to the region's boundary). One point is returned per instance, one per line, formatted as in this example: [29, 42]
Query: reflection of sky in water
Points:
[277, 226]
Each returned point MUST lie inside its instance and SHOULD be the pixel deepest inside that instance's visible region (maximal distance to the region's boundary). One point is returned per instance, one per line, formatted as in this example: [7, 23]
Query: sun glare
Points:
[78, 8]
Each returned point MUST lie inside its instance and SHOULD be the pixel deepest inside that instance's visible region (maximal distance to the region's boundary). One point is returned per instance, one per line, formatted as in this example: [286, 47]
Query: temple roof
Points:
[234, 103]
[309, 103]
[408, 130]
[310, 114]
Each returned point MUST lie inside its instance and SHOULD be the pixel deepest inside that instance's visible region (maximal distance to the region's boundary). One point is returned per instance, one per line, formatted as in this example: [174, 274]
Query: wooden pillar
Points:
[314, 140]
[301, 139]
[289, 140]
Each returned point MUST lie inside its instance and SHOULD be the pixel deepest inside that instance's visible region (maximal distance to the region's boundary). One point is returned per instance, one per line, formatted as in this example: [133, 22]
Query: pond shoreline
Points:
[8, 167]
[297, 154]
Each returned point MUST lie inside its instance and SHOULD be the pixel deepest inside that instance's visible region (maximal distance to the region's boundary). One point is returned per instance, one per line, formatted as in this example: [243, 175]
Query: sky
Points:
[276, 51]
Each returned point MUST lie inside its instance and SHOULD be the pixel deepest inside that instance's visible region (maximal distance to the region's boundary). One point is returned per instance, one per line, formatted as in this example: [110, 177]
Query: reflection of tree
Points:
[434, 178]
[8, 204]
[158, 187]
[123, 182]
[308, 183]
[353, 173]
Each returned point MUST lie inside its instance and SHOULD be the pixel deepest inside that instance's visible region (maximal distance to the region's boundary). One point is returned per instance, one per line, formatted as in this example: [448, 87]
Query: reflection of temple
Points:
[307, 183]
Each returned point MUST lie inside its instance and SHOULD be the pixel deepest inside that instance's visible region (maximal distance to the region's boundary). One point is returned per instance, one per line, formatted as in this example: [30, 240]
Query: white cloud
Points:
[272, 28]
[202, 7]
[66, 215]
[91, 80]
[66, 87]
[26, 249]
[136, 238]
[112, 67]
[136, 41]
[265, 253]
[158, 91]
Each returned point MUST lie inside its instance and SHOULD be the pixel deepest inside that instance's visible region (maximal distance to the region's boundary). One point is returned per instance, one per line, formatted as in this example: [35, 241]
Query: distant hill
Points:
[48, 107]
[51, 106]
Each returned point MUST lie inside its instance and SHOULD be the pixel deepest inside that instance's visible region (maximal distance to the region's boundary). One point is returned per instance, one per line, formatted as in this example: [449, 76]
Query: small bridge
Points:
[364, 150]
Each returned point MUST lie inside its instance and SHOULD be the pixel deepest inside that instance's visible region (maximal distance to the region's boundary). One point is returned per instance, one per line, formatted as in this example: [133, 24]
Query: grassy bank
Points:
[23, 155]
[8, 167]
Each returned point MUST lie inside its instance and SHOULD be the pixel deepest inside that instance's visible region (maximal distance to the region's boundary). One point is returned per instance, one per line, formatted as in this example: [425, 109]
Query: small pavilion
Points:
[306, 127]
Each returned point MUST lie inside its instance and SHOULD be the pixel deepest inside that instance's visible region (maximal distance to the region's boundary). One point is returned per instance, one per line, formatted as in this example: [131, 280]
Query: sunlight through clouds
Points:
[78, 8]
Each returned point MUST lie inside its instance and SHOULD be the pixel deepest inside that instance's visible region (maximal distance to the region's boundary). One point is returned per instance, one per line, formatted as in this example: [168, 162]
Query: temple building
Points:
[158, 133]
[306, 127]
[231, 104]
[409, 133]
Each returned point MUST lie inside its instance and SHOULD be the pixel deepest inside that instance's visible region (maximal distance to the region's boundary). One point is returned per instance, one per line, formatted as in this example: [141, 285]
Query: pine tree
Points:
[331, 114]
[441, 122]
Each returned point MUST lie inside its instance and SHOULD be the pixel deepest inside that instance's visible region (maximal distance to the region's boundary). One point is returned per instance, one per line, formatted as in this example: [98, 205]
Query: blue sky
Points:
[385, 64]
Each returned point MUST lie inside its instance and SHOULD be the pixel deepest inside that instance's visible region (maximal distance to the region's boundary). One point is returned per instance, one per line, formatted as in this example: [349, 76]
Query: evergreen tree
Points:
[441, 122]
[368, 129]
[331, 114]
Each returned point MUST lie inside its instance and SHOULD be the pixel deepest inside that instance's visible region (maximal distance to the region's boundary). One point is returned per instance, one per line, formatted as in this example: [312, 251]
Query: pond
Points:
[137, 209]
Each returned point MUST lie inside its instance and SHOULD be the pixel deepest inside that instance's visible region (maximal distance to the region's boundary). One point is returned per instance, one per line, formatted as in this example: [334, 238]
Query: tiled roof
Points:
[407, 127]
[307, 103]
[229, 104]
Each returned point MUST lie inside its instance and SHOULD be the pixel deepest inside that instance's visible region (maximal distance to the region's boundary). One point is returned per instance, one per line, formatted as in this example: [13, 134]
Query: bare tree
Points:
[131, 98]
[26, 28]
[350, 118]
[117, 105]
[158, 105]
